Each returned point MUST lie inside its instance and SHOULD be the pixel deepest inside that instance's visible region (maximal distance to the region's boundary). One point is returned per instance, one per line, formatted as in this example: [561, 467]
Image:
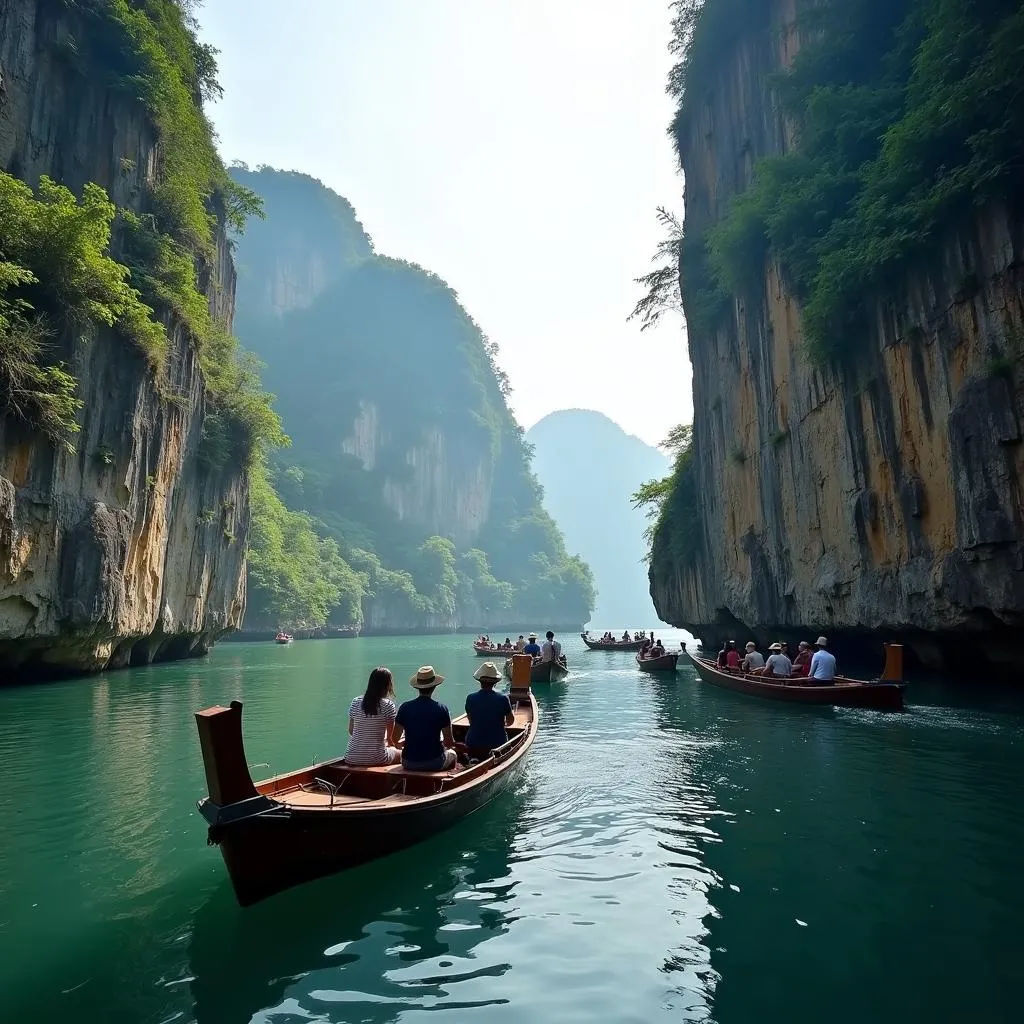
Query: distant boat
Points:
[542, 671]
[484, 650]
[665, 663]
[617, 645]
[884, 694]
[283, 638]
[319, 820]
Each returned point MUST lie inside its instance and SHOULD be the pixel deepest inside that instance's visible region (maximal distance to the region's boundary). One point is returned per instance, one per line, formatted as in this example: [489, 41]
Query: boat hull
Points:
[332, 816]
[485, 652]
[597, 645]
[270, 854]
[853, 693]
[666, 663]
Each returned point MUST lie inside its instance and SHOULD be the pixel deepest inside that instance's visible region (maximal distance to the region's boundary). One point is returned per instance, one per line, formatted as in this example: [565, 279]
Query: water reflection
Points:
[411, 930]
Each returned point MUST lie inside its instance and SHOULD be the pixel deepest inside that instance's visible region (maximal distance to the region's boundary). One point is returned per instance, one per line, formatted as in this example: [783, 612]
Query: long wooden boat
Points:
[542, 671]
[319, 820]
[666, 663]
[618, 645]
[491, 652]
[884, 694]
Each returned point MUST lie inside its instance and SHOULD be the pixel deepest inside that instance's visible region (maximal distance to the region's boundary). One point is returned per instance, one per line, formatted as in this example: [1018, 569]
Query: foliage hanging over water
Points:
[386, 354]
[671, 504]
[908, 118]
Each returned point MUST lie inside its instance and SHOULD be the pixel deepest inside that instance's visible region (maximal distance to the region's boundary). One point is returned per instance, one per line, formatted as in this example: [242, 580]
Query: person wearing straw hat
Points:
[823, 664]
[426, 726]
[532, 646]
[778, 665]
[489, 714]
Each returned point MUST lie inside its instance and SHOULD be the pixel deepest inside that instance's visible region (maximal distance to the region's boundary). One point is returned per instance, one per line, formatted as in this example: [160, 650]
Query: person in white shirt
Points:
[551, 649]
[520, 644]
[754, 660]
[778, 666]
[823, 664]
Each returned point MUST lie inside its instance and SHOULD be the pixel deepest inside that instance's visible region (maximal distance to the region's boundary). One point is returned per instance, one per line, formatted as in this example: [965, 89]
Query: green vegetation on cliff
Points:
[404, 451]
[70, 266]
[907, 115]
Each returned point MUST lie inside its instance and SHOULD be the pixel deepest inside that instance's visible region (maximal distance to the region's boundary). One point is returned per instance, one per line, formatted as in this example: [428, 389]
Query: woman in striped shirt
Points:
[371, 719]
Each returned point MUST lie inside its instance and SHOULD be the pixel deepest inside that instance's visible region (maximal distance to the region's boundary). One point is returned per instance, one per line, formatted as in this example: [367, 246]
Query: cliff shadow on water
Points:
[857, 450]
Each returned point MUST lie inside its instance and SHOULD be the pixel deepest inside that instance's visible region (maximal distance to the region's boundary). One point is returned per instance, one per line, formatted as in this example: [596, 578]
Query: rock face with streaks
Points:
[883, 501]
[127, 550]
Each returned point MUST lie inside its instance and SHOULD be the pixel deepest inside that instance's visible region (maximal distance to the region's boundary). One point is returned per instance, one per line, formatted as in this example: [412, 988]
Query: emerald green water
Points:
[673, 852]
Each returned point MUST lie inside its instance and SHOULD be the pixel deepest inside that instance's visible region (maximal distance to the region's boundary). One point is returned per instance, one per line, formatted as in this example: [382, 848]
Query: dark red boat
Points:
[883, 694]
[664, 663]
[319, 820]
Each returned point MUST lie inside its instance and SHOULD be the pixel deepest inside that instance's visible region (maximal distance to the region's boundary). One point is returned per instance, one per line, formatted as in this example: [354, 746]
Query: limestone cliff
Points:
[128, 549]
[879, 499]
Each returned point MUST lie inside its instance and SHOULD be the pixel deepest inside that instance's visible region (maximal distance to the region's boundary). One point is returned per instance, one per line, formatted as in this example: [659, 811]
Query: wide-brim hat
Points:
[426, 678]
[821, 642]
[531, 636]
[775, 647]
[487, 670]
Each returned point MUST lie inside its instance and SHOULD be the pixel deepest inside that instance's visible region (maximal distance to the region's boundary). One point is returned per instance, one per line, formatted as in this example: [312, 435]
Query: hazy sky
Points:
[517, 148]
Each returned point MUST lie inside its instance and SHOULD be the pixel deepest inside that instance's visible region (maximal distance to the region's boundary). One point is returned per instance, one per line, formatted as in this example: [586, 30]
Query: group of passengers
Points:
[419, 733]
[818, 668]
[608, 638]
[501, 648]
[652, 648]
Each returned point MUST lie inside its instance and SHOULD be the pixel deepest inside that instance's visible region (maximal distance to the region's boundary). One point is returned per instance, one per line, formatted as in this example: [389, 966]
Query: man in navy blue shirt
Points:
[532, 647]
[427, 727]
[488, 712]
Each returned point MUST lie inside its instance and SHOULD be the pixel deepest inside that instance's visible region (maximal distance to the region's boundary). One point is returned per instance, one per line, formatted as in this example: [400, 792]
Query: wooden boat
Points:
[666, 663]
[541, 671]
[283, 638]
[618, 645]
[883, 694]
[491, 652]
[319, 820]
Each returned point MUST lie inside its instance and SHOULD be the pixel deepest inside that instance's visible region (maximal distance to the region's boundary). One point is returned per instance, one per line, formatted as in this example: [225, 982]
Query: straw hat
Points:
[486, 671]
[532, 636]
[426, 678]
[822, 642]
[775, 647]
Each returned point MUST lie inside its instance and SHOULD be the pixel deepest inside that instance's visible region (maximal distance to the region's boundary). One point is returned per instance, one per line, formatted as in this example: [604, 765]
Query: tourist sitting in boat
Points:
[508, 644]
[721, 661]
[532, 647]
[657, 650]
[552, 649]
[371, 721]
[753, 659]
[802, 661]
[625, 637]
[823, 664]
[732, 656]
[778, 665]
[520, 644]
[426, 726]
[489, 714]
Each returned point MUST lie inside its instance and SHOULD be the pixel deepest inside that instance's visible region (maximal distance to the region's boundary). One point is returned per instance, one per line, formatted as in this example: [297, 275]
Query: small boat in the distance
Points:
[486, 651]
[283, 638]
[540, 671]
[617, 645]
[665, 663]
[322, 819]
[882, 694]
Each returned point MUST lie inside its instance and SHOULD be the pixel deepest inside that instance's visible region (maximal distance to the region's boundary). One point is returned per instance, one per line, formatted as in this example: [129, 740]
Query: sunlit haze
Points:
[517, 148]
